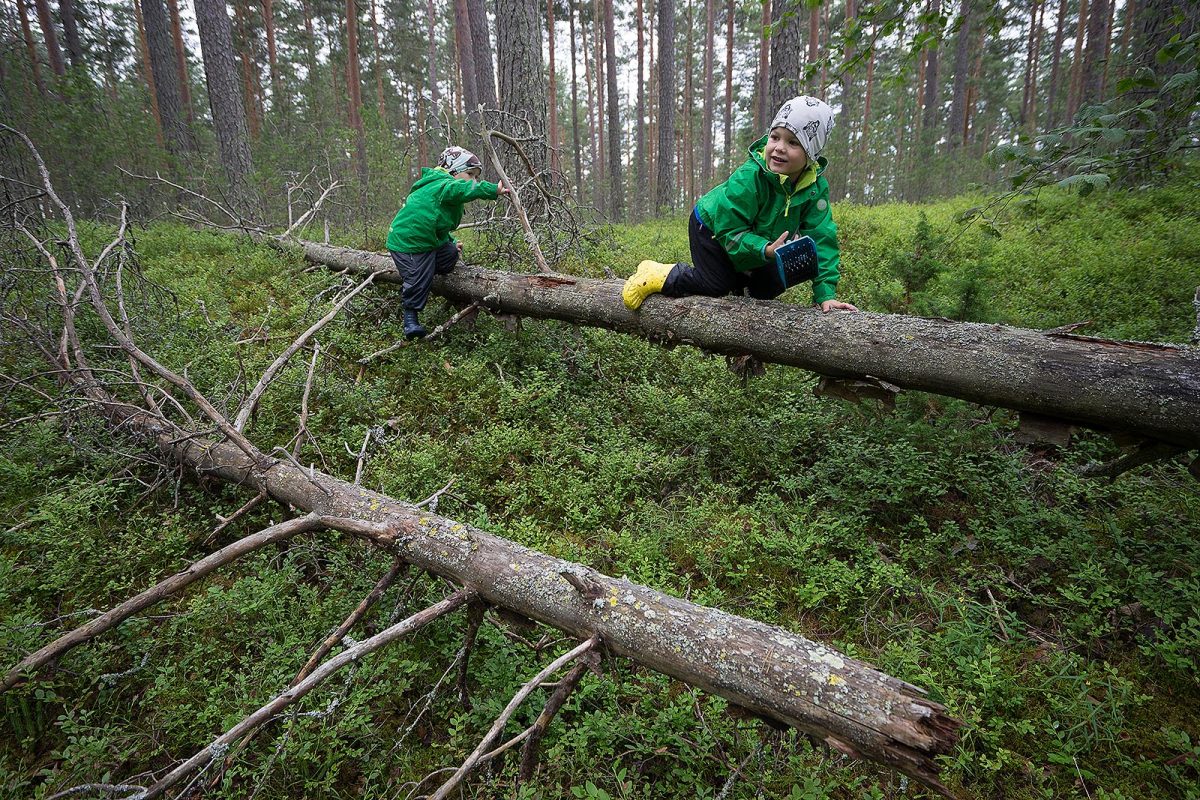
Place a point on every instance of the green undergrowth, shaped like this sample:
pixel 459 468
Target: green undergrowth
pixel 1055 616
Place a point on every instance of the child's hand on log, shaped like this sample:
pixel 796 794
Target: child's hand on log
pixel 836 305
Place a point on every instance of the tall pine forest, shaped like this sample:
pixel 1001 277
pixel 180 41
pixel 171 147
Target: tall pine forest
pixel 255 543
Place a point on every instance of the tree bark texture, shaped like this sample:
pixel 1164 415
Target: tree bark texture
pixel 185 89
pixel 31 48
pixel 770 671
pixel 466 55
pixel 166 77
pixel 664 193
pixel 522 77
pixel 66 9
pixel 225 96
pixel 616 204
pixel 1055 62
pixel 1149 389
pixel 50 37
pixel 932 104
pixel 1092 82
pixel 786 43
pixel 962 65
pixel 481 53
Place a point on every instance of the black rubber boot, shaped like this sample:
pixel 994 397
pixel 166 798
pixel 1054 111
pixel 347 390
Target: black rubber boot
pixel 413 329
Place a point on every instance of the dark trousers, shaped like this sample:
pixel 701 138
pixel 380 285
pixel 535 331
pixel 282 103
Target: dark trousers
pixel 713 274
pixel 417 271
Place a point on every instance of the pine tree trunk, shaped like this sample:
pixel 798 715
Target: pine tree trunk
pixel 615 171
pixel 31 48
pixel 522 77
pixel 687 149
pixel 354 84
pixel 593 129
pixel 962 64
pixel 166 77
pixel 786 44
pixel 185 88
pixel 638 205
pixel 866 166
pixel 1031 118
pixel 148 73
pixel 1027 82
pixel 1052 99
pixel 730 11
pixel 481 45
pixel 431 36
pixel 466 56
pixel 1092 81
pixel 66 9
pixel 1077 63
pixel 763 95
pixel 377 66
pixel 268 13
pixel 225 97
pixel 816 86
pixel 1108 29
pixel 664 193
pixel 598 70
pixel 552 88
pixel 706 130
pixel 49 37
pixel 931 103
pixel 310 42
pixel 577 152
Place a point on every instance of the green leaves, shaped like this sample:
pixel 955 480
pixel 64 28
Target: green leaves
pixel 1086 183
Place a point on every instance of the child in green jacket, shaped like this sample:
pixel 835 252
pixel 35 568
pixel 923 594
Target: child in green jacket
pixel 734 230
pixel 420 240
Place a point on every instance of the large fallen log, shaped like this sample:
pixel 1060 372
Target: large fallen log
pixel 772 672
pixel 1152 390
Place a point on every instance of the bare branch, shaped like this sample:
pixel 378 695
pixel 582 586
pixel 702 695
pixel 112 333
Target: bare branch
pixel 251 401
pixel 154 594
pixel 538 729
pixel 478 755
pixel 530 236
pixel 294 693
pixel 469 310
pixel 398 568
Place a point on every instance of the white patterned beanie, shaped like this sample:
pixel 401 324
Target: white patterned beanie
pixel 456 159
pixel 810 119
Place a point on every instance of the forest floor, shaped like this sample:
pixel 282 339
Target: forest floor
pixel 1058 617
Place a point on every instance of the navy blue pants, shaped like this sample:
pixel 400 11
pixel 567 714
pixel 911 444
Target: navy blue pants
pixel 417 271
pixel 712 272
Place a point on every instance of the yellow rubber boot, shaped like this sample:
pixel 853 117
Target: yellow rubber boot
pixel 648 280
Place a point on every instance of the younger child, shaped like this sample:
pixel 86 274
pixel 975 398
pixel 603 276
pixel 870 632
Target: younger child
pixel 420 240
pixel 734 230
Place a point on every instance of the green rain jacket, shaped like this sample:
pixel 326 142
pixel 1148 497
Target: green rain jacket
pixel 751 209
pixel 433 209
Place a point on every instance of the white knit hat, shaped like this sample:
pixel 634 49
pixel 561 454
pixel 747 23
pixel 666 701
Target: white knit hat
pixel 810 119
pixel 457 159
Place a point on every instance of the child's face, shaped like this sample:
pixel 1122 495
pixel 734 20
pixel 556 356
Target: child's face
pixel 784 154
pixel 467 175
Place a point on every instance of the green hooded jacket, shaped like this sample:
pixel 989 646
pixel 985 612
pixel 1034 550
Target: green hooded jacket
pixel 751 209
pixel 433 209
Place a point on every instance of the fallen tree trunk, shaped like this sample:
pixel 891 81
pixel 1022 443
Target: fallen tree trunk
pixel 1152 390
pixel 770 671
